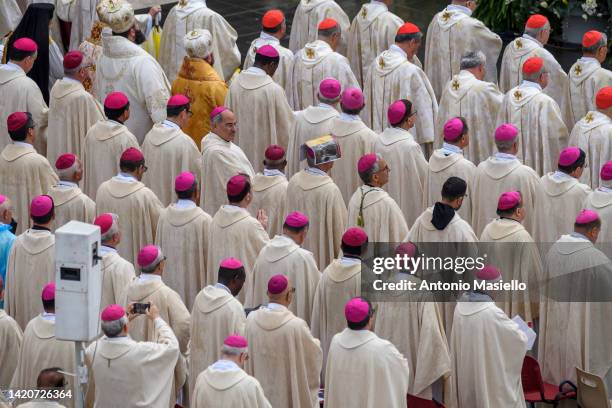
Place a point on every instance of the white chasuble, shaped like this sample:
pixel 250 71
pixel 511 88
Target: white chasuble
pixel 451 33
pixel 187 16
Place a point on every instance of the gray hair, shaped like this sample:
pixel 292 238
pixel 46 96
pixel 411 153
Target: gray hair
pixel 233 351
pixel 329 32
pixel 473 59
pixel 505 145
pixel 114 327
pixel 5 205
pixel 217 119
pixel 533 32
pixel 114 229
pixel 603 42
pixel 366 176
pixel 66 174
pixel 535 77
pixel 73 71
pixel 153 265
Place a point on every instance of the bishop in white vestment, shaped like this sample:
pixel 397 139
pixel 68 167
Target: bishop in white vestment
pixel 587 76
pixel 124 66
pixel 451 33
pixel 313 122
pixel 371 207
pixel 391 77
pixel 273 29
pixel 70 202
pixel 186 16
pixel 372 31
pixel 285 357
pixel 24 173
pixel 531 44
pixel 169 151
pixel 592 134
pixel 225 383
pixel 467 95
pixel 234 232
pixel 360 364
pixel 316 61
pixel 450 161
pixel 405 158
pixel 22 94
pixel 221 159
pixel 256 99
pixel 136 205
pixel 11 337
pixel 117 272
pixel 355 140
pixel 537 117
pixel 482 331
pixel 306 19
pixel 72 110
pixel 313 192
pixel 284 254
pixel 270 190
pixel 216 314
pixel 104 143
pixel 183 234
pixel 504 172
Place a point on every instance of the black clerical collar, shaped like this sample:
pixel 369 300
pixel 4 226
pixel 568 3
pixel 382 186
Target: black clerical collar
pixel 40 228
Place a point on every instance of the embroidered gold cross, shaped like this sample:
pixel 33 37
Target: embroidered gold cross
pixel 455 85
pixel 446 16
pixel 381 62
pixel 589 117
pixel 112 6
pixel 578 70
pixel 518 95
pixel 182 3
pixel 519 43
pixel 310 53
pixel 364 12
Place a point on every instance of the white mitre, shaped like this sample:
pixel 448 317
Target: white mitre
pixel 198 43
pixel 117 14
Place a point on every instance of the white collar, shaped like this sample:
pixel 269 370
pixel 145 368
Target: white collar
pixel 114 121
pixel 219 285
pixel 50 317
pixel 379 3
pixel 325 105
pixel 275 306
pixel 346 261
pixel 225 365
pixel 396 48
pixel 461 9
pixel 315 172
pixel 256 71
pixel 13 67
pixel 450 149
pixel 588 59
pixel 233 208
pixel 118 339
pixel 182 203
pixel 71 80
pixel 273 172
pixel 605 189
pixel 65 183
pixel 579 236
pixel 170 124
pixel 527 36
pixel 529 84
pixel 22 144
pixel 107 250
pixel 349 118
pixel 505 156
pixel 126 177
pixel 265 36
pixel 147 277
pixel 561 176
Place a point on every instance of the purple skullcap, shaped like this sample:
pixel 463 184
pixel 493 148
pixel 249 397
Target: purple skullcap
pixel 352 98
pixel 366 162
pixel 356 310
pixel 48 292
pixel 236 341
pixel 277 284
pixel 354 237
pixel 508 200
pixel 605 174
pixel 296 220
pixel 506 132
pixel 112 313
pixel 231 263
pixel 330 88
pixel 568 156
pixel 41 206
pixel 453 129
pixel 396 112
pixel 184 181
pixel 586 217
pixel 488 273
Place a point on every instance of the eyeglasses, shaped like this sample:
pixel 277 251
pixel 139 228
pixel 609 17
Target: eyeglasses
pixel 414 112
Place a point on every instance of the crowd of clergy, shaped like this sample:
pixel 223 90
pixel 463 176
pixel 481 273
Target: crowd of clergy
pixel 239 204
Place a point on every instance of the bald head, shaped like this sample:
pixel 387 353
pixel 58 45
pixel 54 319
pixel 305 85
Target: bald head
pixel 50 378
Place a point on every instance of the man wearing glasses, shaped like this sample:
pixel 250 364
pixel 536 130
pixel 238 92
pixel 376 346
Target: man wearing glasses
pixel 169 150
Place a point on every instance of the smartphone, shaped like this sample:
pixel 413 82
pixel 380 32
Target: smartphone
pixel 141 308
